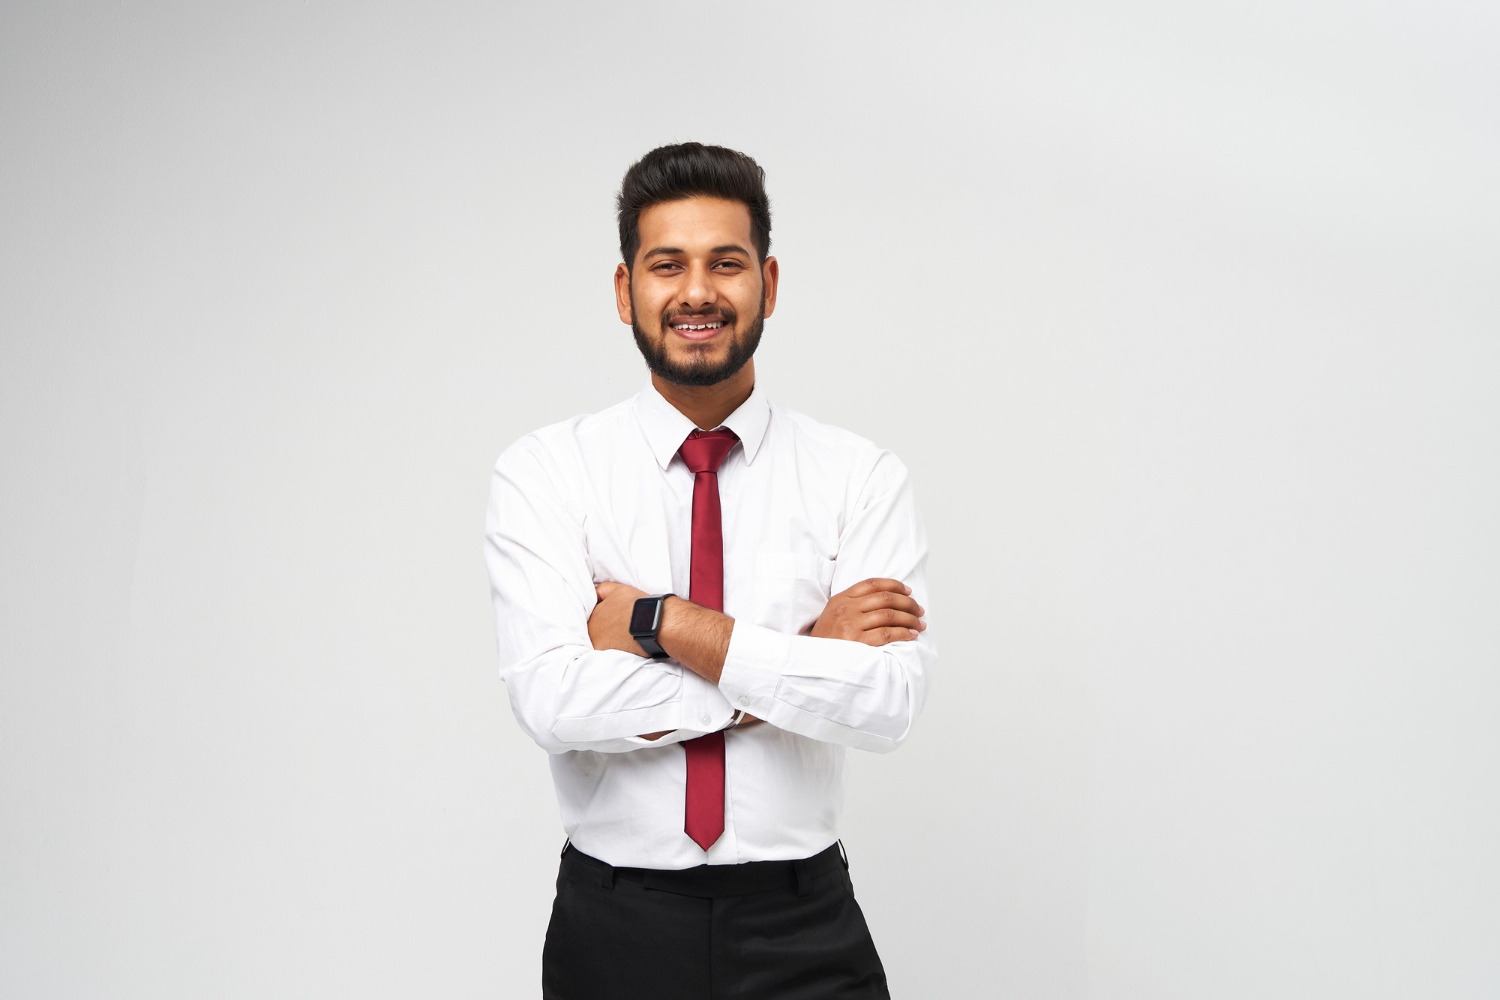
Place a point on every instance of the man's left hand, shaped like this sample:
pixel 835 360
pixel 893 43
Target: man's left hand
pixel 609 623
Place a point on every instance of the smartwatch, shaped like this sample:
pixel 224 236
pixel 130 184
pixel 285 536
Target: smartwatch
pixel 645 619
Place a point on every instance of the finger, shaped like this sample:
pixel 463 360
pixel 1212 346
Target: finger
pixel 886 599
pixel 877 583
pixel 890 618
pixel 603 589
pixel 881 636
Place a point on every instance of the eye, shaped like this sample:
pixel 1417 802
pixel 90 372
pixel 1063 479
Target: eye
pixel 729 265
pixel 666 266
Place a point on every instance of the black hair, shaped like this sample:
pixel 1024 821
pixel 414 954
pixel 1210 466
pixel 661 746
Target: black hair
pixel 668 173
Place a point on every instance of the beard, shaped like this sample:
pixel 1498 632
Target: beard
pixel 700 370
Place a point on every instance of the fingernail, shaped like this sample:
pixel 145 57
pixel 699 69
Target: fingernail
pixel 921 610
pixel 908 589
pixel 914 632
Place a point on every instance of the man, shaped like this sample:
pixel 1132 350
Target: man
pixel 703 599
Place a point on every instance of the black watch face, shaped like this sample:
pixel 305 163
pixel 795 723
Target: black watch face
pixel 643 617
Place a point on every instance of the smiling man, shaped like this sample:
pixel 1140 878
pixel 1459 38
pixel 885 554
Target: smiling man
pixel 703 599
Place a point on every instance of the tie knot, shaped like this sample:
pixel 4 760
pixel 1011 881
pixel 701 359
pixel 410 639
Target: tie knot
pixel 704 451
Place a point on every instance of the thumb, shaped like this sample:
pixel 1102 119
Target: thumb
pixel 604 589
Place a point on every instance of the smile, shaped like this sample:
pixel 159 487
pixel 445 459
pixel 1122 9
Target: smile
pixel 699 331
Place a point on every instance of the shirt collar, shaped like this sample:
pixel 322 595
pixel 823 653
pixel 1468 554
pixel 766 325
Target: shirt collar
pixel 666 427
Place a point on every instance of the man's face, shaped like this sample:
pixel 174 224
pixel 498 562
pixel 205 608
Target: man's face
pixel 696 296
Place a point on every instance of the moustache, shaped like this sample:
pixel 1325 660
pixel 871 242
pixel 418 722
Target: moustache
pixel 722 315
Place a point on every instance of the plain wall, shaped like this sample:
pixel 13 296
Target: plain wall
pixel 1183 316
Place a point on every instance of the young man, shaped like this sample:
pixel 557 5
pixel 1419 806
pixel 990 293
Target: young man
pixel 703 598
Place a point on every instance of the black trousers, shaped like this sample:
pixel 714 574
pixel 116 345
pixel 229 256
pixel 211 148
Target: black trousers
pixel 765 930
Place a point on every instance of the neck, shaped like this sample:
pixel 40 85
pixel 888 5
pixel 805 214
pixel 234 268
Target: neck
pixel 707 405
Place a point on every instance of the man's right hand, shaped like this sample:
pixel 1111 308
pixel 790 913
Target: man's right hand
pixel 874 611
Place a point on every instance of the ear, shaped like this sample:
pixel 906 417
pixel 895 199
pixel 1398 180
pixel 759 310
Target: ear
pixel 622 294
pixel 770 273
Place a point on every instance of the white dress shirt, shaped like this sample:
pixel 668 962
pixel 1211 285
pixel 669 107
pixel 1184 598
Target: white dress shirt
pixel 808 511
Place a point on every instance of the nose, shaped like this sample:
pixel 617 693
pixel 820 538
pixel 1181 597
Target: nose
pixel 698 290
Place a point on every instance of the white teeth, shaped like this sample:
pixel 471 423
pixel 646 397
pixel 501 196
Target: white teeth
pixel 703 326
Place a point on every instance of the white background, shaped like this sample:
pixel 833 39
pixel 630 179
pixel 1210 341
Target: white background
pixel 1183 316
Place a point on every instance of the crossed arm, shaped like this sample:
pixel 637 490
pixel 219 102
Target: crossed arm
pixel 874 611
pixel 577 681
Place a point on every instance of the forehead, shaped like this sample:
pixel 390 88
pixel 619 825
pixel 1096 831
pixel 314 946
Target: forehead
pixel 696 223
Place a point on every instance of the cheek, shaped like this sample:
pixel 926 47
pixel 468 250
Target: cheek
pixel 649 304
pixel 746 297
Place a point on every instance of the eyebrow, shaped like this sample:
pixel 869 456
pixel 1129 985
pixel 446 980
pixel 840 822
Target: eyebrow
pixel 678 252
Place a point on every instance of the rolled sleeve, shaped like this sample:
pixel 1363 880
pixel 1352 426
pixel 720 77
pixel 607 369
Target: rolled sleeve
pixel 565 694
pixel 837 690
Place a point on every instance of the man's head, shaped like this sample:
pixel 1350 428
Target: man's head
pixel 697 282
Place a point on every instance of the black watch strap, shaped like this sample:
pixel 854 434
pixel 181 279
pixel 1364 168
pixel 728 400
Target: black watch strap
pixel 645 621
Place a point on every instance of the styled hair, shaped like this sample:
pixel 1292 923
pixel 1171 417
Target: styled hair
pixel 668 173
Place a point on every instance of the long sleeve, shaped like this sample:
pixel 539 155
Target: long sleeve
pixel 835 690
pixel 566 694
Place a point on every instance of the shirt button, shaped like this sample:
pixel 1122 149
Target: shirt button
pixel 703 718
pixel 744 699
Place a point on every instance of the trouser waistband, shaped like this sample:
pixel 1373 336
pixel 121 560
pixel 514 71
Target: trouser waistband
pixel 714 881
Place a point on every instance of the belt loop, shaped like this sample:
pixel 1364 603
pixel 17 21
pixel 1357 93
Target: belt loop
pixel 843 856
pixel 564 852
pixel 804 874
pixel 606 876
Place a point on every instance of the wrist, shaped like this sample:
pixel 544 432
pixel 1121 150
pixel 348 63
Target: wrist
pixel 672 611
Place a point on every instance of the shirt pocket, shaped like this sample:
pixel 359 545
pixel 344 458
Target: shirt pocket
pixel 791 589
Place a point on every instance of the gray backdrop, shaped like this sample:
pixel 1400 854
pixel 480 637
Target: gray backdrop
pixel 1183 316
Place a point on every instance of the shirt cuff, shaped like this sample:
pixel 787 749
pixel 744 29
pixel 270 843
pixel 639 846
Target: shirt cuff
pixel 752 667
pixel 704 709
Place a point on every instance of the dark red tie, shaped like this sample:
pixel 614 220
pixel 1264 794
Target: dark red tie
pixel 704 451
